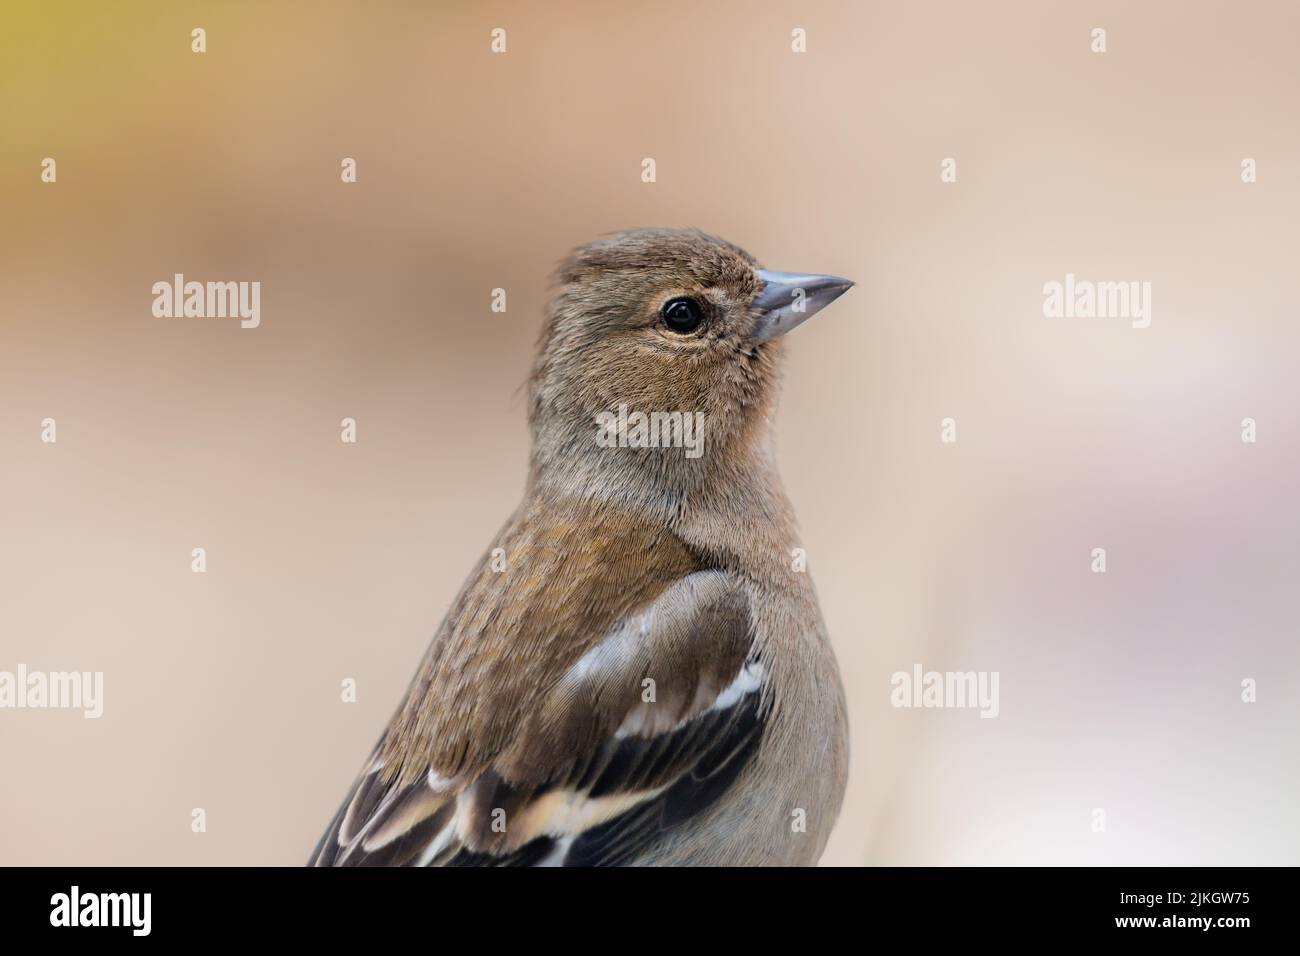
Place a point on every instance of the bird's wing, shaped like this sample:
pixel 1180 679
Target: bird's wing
pixel 647 729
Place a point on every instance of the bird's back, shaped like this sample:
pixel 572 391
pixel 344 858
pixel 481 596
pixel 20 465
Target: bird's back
pixel 596 697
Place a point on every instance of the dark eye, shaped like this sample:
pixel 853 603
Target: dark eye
pixel 682 316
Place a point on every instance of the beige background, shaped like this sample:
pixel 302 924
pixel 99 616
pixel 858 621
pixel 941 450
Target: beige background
pixel 327 561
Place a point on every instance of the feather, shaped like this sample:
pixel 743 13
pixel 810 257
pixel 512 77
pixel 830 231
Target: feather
pixel 606 764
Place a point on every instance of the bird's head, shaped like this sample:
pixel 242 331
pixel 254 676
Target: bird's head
pixel 668 324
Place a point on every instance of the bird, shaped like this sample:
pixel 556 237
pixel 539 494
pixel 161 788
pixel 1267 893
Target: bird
pixel 637 671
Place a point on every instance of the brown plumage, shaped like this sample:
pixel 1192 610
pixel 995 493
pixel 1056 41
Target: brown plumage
pixel 648 678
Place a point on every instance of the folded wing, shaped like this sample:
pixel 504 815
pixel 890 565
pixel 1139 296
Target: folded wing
pixel 640 736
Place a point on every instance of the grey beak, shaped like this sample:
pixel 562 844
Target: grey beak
pixel 789 298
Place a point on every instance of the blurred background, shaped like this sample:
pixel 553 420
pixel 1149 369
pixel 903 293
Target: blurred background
pixel 1118 691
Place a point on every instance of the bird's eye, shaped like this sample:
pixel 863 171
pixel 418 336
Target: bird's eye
pixel 683 315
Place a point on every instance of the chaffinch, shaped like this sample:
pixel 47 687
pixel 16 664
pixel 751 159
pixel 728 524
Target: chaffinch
pixel 637 671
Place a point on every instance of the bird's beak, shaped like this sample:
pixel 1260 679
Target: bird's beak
pixel 789 298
